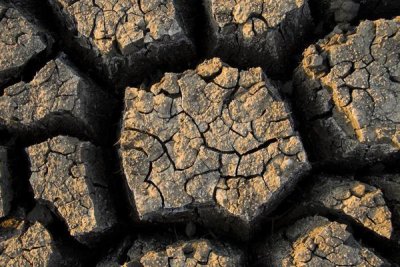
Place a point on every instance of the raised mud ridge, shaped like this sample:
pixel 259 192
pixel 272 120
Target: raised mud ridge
pixel 199 133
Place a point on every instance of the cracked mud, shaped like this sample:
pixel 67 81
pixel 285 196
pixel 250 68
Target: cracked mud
pixel 121 33
pixel 69 174
pixel 26 244
pixel 213 137
pixel 347 86
pixel 56 93
pixel 390 186
pixel 199 133
pixel 21 41
pixel 316 241
pixel 252 33
pixel 362 202
pixel 151 251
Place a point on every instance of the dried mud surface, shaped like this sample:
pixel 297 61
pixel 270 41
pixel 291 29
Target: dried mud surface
pixel 199 133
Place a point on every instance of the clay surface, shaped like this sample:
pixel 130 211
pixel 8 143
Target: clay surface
pixel 211 138
pixel 57 99
pixel 253 33
pixel 199 133
pixel 390 186
pixel 347 88
pixel 69 174
pixel 362 202
pixel 127 37
pixel 21 42
pixel 157 251
pixel 24 244
pixel 316 241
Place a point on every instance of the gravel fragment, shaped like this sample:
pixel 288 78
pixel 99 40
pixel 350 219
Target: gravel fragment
pixel 216 140
pixel 316 241
pixel 69 174
pixel 257 33
pixel 21 42
pixel 59 98
pixel 347 88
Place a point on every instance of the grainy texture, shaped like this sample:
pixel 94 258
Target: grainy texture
pixel 361 202
pixel 390 186
pixel 59 98
pixel 69 174
pixel 253 33
pixel 146 133
pixel 6 190
pixel 156 251
pixel 21 41
pixel 316 241
pixel 210 138
pixel 25 244
pixel 347 87
pixel 129 37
